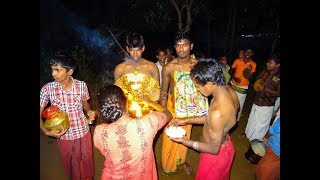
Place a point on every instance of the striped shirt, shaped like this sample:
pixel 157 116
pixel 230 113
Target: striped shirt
pixel 69 101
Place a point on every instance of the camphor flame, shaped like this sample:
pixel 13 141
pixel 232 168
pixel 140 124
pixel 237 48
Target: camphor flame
pixel 135 85
pixel 134 107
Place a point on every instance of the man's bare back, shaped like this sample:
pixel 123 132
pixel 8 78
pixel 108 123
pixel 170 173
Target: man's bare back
pixel 222 110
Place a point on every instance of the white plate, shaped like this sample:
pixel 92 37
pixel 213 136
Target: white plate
pixel 175 132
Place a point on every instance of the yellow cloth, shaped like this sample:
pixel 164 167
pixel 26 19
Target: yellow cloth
pixel 173 153
pixel 136 83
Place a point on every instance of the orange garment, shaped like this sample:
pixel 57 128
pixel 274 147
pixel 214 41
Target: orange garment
pixel 128 147
pixel 239 65
pixel 173 153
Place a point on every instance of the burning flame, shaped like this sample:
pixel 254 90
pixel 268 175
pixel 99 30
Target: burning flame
pixel 134 107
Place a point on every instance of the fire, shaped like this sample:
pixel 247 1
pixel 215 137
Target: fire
pixel 134 84
pixel 135 109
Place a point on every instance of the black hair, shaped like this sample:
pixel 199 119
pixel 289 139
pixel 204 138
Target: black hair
pixel 207 70
pixel 112 102
pixel 161 49
pixel 276 57
pixel 182 34
pixel 63 61
pixel 134 40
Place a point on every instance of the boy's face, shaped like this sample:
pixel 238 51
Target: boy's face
pixel 60 73
pixel 161 57
pixel 223 60
pixel 183 48
pixel 272 65
pixel 135 53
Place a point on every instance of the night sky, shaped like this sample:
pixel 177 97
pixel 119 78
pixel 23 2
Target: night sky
pixel 84 23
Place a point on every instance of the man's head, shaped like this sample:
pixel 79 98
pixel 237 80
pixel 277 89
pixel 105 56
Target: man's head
pixel 161 56
pixel 223 60
pixel 62 67
pixel 183 44
pixel 273 62
pixel 248 53
pixel 241 54
pixel 135 45
pixel 205 74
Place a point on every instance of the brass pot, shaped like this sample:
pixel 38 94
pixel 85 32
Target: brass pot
pixel 59 123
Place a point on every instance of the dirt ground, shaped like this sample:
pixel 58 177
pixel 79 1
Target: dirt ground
pixel 51 166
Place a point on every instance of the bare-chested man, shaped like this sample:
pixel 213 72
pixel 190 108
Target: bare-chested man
pixel 215 147
pixel 135 47
pixel 176 78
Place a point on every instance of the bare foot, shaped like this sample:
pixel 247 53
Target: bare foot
pixel 242 136
pixel 164 173
pixel 187 168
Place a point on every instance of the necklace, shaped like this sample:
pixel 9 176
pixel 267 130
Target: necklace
pixel 136 71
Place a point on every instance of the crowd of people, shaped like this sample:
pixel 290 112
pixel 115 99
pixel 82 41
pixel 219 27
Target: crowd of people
pixel 185 83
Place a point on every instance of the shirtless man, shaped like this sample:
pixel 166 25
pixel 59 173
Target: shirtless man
pixel 215 147
pixel 135 47
pixel 174 154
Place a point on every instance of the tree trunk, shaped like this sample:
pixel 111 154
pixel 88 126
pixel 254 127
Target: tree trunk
pixel 276 38
pixel 227 37
pixel 179 12
pixel 209 39
pixel 189 19
pixel 234 22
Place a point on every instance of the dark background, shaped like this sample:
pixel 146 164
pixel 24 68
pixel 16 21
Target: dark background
pixel 219 27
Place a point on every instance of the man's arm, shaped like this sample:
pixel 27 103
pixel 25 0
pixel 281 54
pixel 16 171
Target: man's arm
pixel 192 120
pixel 162 109
pixel 87 108
pixel 117 73
pixel 155 72
pixel 165 85
pixel 216 129
pixel 247 73
pixel 231 72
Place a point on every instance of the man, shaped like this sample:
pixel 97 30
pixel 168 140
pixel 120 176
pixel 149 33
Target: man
pixel 216 148
pixel 170 57
pixel 137 75
pixel 241 72
pixel 178 93
pixel 161 56
pixel 267 93
pixel 136 64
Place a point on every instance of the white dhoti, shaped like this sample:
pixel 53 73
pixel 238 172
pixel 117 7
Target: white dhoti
pixel 276 104
pixel 259 121
pixel 241 97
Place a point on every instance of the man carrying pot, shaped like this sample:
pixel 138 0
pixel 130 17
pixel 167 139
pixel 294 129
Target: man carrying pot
pixel 269 166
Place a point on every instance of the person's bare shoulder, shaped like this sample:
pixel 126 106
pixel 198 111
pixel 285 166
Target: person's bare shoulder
pixel 169 67
pixel 150 63
pixel 118 70
pixel 121 65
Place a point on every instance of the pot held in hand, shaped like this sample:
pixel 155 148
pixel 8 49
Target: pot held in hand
pixel 55 119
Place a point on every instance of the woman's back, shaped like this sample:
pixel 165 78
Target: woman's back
pixel 128 147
